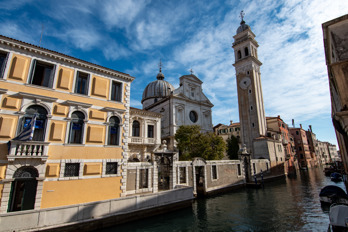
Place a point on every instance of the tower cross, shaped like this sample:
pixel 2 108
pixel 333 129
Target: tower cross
pixel 160 65
pixel 241 16
pixel 191 71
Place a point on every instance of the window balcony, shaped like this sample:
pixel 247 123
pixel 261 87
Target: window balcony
pixel 140 140
pixel 28 149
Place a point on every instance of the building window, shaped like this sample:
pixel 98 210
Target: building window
pixel 116 91
pixel 254 166
pixel 40 121
pixel 81 85
pixel 246 51
pixel 76 127
pixel 239 55
pixel 266 166
pixel 136 129
pixel 214 172
pixel 111 168
pixel 296 132
pixel 143 178
pixel 253 124
pixel 114 131
pixel 3 61
pixel 150 131
pixel 42 74
pixel 193 116
pixel 72 169
pixel 239 170
pixel 182 175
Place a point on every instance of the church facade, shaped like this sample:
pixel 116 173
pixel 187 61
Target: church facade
pixel 186 105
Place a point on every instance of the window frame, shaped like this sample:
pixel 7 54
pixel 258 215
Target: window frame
pixel 4 63
pixel 214 172
pixel 116 168
pixel 153 131
pixel 118 129
pixel 76 164
pixel 77 78
pixel 135 133
pixel 82 128
pixel 44 64
pixel 117 98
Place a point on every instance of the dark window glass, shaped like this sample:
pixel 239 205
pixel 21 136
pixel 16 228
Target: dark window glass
pixel 150 130
pixel 3 60
pixel 72 169
pixel 114 131
pixel 239 55
pixel 239 170
pixel 40 122
pixel 111 168
pixel 143 178
pixel 193 116
pixel 136 129
pixel 81 83
pixel 246 50
pixel 76 127
pixel 42 74
pixel 182 175
pixel 116 91
pixel 214 172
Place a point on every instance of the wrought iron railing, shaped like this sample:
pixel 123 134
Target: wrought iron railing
pixel 28 149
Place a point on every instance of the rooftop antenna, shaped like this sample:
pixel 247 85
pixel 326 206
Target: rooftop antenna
pixel 42 29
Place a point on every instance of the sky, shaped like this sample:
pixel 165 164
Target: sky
pixel 132 36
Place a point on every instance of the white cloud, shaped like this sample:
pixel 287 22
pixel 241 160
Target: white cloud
pixel 121 13
pixel 113 51
pixel 82 38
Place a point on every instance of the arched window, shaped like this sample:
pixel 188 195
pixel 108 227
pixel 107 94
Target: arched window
pixel 114 131
pixel 40 122
pixel 76 127
pixel 246 51
pixel 136 129
pixel 239 55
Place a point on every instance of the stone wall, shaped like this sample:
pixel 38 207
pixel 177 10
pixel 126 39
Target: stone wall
pixel 73 216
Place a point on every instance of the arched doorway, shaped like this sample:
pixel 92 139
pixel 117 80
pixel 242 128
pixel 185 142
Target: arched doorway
pixel 23 189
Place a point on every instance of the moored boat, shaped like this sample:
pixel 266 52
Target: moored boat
pixel 336 177
pixel 338 218
pixel 333 194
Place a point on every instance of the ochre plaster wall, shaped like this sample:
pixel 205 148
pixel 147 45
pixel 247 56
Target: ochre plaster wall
pixel 69 192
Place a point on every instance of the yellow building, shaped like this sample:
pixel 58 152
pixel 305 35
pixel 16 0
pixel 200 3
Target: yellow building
pixel 79 148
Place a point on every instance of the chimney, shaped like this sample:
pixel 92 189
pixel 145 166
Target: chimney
pixel 231 122
pixel 293 122
pixel 310 128
pixel 301 126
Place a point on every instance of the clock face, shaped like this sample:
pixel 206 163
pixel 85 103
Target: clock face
pixel 245 82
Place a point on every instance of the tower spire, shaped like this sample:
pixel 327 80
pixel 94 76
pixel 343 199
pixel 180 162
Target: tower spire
pixel 160 66
pixel 160 75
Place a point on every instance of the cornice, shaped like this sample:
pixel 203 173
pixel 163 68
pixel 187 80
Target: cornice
pixel 13 43
pixel 35 96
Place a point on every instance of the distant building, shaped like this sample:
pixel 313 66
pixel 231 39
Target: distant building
pixel 276 124
pixel 303 153
pixel 186 105
pixel 335 34
pixel 226 131
pixel 313 146
pixel 78 112
pixel 324 154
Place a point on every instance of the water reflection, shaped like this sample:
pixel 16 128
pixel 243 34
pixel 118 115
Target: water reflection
pixel 284 205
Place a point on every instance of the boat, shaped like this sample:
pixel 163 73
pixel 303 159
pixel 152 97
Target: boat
pixel 336 177
pixel 338 218
pixel 333 194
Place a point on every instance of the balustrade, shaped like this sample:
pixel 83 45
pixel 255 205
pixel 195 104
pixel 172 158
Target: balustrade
pixel 28 149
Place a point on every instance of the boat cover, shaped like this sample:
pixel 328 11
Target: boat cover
pixel 333 190
pixel 338 215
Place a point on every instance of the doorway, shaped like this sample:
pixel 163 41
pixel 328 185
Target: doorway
pixel 23 189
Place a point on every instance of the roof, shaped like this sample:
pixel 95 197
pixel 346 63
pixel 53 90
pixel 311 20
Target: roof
pixel 61 56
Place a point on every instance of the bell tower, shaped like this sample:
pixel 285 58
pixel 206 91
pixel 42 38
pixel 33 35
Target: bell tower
pixel 248 77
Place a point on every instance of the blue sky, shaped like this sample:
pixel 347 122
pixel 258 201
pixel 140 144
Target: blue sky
pixel 131 36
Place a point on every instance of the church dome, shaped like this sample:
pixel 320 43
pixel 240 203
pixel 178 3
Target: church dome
pixel 243 26
pixel 158 88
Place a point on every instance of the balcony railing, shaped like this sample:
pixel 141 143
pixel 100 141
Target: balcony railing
pixel 140 140
pixel 28 149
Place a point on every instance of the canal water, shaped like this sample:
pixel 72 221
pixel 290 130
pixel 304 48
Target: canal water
pixel 290 204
